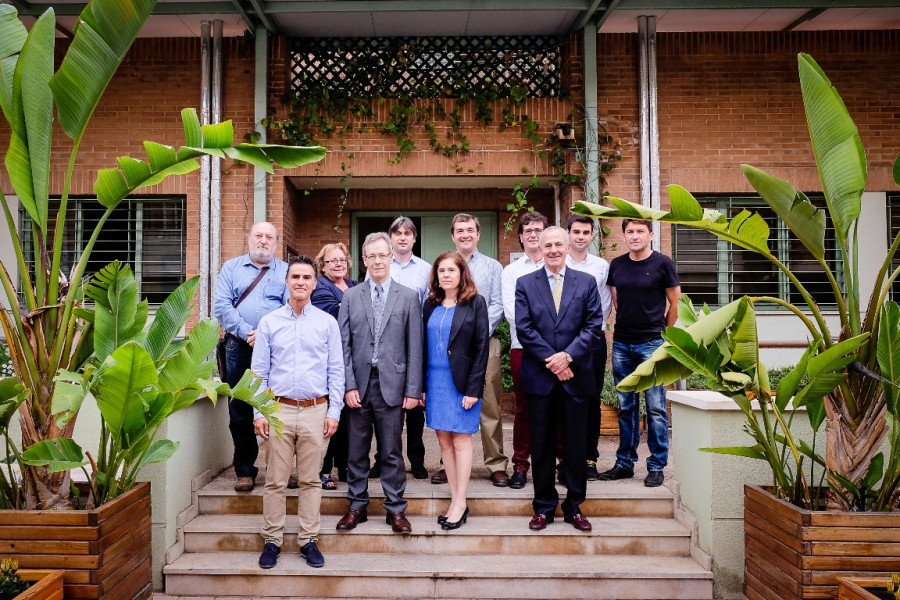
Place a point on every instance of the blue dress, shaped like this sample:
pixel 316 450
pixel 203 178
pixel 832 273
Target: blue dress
pixel 443 402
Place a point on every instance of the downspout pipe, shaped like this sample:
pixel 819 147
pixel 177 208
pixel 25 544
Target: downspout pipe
pixel 648 118
pixel 203 268
pixel 215 185
pixel 591 120
pixel 260 177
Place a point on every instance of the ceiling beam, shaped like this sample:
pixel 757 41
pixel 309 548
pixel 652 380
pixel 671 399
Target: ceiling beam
pixel 586 16
pixel 264 17
pixel 606 14
pixel 809 16
pixel 248 20
pixel 760 4
pixel 366 6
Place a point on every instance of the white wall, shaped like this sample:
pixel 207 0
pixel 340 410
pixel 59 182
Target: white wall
pixel 7 252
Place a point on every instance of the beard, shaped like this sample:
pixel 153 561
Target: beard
pixel 261 255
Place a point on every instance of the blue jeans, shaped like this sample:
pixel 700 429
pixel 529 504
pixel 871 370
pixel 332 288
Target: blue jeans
pixel 625 359
pixel 237 360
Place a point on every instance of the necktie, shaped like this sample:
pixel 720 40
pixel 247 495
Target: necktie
pixel 378 310
pixel 557 291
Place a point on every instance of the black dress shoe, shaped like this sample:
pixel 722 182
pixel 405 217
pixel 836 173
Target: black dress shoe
pixel 615 473
pixel 518 479
pixel 579 522
pixel 312 554
pixel 654 479
pixel 419 472
pixel 448 525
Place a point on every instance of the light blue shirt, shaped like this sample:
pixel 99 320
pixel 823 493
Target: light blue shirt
pixel 236 276
pixel 301 356
pixel 414 275
pixel 385 286
pixel 487 273
pixel 552 279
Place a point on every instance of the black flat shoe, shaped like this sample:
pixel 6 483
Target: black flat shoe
pixel 448 525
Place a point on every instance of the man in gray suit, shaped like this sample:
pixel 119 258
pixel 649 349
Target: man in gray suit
pixel 381 329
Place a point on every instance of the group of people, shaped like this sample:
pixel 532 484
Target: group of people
pixel 417 343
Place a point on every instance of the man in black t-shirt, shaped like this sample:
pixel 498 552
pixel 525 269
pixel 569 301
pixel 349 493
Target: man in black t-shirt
pixel 645 291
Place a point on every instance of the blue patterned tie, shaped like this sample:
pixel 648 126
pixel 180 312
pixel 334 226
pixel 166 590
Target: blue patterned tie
pixel 378 309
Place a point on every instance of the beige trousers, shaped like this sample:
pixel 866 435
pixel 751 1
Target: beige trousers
pixel 491 421
pixel 303 435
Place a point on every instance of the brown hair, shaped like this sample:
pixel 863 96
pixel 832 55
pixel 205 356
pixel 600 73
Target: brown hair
pixel 647 222
pixel 320 257
pixel 464 218
pixel 467 288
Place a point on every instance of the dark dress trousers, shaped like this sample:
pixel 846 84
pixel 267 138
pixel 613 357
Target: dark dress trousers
pixel 543 333
pixel 467 349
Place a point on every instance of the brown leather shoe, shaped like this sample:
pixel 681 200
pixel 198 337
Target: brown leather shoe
pixel 579 522
pixel 499 479
pixel 439 477
pixel 244 484
pixel 539 521
pixel 352 519
pixel 398 522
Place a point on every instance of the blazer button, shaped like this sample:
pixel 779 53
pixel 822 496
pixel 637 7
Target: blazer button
pixel 448 353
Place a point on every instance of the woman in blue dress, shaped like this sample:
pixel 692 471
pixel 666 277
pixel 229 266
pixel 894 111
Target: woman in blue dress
pixel 334 263
pixel 456 353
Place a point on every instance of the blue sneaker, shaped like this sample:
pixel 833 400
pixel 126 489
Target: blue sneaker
pixel 269 556
pixel 313 556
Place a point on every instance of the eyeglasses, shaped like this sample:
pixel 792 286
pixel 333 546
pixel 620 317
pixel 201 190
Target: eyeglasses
pixel 336 261
pixel 532 231
pixel 378 256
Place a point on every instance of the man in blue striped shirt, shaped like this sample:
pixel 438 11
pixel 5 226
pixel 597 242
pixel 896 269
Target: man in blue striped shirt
pixel 299 356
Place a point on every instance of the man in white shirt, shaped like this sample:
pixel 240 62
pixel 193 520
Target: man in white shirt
pixel 581 234
pixel 531 225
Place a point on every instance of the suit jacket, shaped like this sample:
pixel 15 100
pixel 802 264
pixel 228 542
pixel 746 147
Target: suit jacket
pixel 467 349
pixel 543 333
pixel 328 296
pixel 400 345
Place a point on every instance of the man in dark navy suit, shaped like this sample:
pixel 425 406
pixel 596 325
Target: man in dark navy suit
pixel 558 319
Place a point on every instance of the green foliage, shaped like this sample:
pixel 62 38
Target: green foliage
pixel 853 375
pixel 77 339
pixel 139 376
pixel 505 345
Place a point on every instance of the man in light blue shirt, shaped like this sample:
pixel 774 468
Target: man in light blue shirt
pixel 239 313
pixel 298 354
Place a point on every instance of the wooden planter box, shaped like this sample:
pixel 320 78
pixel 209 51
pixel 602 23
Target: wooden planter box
pixel 49 585
pixel 791 553
pixel 609 420
pixel 104 552
pixel 855 588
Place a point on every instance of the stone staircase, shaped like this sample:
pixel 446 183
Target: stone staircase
pixel 640 548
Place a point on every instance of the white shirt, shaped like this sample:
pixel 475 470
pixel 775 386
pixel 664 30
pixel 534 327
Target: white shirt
pixel 599 268
pixel 522 266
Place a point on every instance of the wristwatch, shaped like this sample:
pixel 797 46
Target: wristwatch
pixel 569 357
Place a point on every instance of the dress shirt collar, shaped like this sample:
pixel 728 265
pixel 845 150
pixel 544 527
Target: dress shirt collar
pixel 413 259
pixel 527 261
pixel 289 310
pixel 385 285
pixel 562 273
pixel 249 261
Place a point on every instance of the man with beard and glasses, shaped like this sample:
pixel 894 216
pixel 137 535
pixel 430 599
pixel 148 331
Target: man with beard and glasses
pixel 249 287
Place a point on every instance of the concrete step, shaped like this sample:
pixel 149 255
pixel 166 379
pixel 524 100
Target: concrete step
pixel 480 535
pixel 415 575
pixel 628 498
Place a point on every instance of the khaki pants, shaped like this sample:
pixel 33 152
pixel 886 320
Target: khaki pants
pixel 491 422
pixel 302 435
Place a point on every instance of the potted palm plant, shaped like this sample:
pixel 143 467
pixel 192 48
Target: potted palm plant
pixel 853 385
pixel 73 340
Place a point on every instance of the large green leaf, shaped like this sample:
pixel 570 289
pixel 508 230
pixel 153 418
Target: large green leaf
pixel 112 185
pixel 69 392
pixel 105 31
pixel 31 120
pixel 158 451
pixel 888 353
pixel 745 451
pixel 799 214
pixel 118 391
pixel 190 364
pixel 12 37
pixel 836 145
pixel 12 394
pixel 118 316
pixel 171 316
pixel 59 454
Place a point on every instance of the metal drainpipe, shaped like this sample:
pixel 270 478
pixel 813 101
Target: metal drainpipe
pixel 215 186
pixel 203 269
pixel 649 123
pixel 260 177
pixel 591 120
